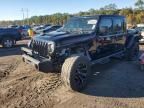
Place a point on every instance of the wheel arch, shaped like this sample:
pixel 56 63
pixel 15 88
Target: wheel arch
pixel 131 39
pixel 84 50
pixel 4 37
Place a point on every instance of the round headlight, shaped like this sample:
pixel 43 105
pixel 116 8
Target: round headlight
pixel 51 47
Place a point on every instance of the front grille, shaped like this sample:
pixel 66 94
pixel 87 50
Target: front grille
pixel 40 47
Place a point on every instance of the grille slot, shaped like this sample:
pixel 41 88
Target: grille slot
pixel 40 47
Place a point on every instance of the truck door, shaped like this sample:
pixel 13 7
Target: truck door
pixel 119 30
pixel 104 41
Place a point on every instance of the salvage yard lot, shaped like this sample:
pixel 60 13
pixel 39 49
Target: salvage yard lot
pixel 116 84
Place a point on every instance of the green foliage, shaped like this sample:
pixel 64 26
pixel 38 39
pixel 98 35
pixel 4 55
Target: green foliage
pixel 140 4
pixel 133 16
pixel 110 7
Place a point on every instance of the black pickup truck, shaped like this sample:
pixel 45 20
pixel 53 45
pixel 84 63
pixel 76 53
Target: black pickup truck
pixel 9 36
pixel 82 42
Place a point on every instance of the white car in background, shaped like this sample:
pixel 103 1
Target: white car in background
pixel 142 32
pixel 142 35
pixel 140 28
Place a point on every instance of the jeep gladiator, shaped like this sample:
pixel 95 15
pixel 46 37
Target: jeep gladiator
pixel 82 42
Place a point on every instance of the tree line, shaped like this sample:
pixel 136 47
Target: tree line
pixel 134 16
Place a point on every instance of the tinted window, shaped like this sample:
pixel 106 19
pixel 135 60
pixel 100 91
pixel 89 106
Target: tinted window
pixel 118 25
pixel 105 27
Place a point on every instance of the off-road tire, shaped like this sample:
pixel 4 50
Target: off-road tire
pixel 8 39
pixel 69 72
pixel 133 52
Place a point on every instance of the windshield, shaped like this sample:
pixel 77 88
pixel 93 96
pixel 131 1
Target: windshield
pixel 80 25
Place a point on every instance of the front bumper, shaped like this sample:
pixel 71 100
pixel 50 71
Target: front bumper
pixel 40 63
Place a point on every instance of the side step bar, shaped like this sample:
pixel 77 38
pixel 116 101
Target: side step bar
pixel 102 59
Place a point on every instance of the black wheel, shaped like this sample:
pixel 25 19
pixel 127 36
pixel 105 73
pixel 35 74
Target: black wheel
pixel 76 72
pixel 133 52
pixel 8 42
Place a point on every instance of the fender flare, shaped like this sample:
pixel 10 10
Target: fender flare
pixel 130 40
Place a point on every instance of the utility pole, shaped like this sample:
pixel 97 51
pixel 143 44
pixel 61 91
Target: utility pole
pixel 23 15
pixel 133 16
pixel 27 16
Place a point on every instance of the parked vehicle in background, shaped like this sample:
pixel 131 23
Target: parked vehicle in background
pixel 9 36
pixel 142 33
pixel 140 25
pixel 46 29
pixel 139 28
pixel 24 30
pixel 12 26
pixel 51 28
pixel 46 25
pixel 38 29
pixel 82 42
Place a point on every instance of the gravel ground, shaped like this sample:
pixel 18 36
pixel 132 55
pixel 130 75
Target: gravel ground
pixel 118 84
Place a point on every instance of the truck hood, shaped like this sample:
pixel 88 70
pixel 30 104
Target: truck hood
pixel 50 36
pixel 59 36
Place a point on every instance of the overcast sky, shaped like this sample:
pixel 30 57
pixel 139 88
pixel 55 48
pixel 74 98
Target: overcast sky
pixel 11 9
